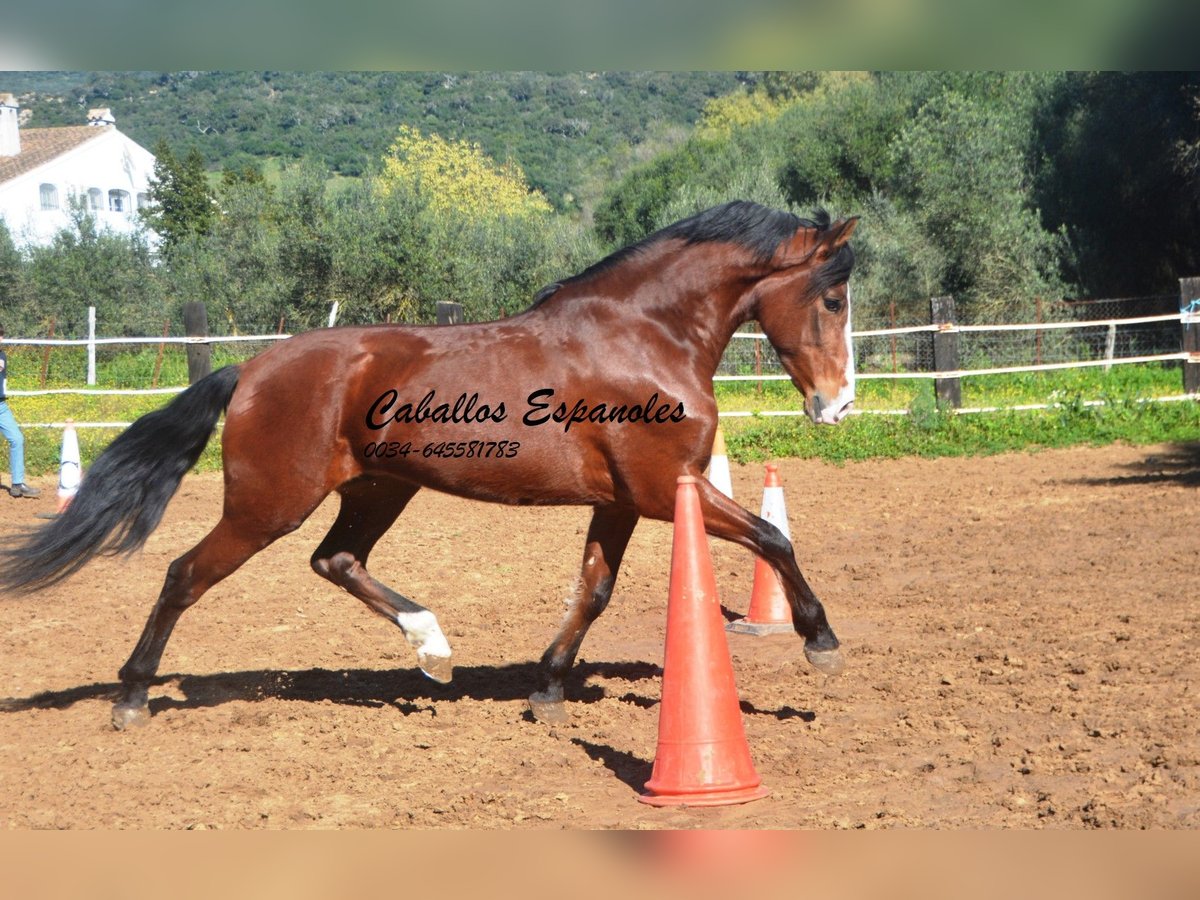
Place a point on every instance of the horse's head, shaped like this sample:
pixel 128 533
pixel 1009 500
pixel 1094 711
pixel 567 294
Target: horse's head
pixel 803 305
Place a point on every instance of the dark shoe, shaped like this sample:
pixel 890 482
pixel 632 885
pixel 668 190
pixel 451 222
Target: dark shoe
pixel 23 490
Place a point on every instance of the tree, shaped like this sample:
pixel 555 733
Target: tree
pixel 453 225
pixel 86 266
pixel 1114 173
pixel 633 208
pixel 783 86
pixel 962 167
pixel 458 177
pixel 306 250
pixel 180 203
pixel 731 112
pixel 10 270
pixel 237 267
pixel 939 164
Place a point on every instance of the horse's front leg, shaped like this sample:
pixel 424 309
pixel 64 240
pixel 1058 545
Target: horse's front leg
pixel 725 519
pixel 607 537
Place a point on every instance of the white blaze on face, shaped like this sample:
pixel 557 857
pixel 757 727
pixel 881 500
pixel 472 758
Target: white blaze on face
pixel 835 409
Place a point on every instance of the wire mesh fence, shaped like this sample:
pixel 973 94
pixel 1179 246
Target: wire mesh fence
pixel 899 342
pixel 748 354
pixel 889 343
pixel 63 361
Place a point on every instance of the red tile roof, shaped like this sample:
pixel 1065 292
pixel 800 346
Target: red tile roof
pixel 40 145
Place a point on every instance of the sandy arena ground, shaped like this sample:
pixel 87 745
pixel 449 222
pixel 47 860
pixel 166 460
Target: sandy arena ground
pixel 1021 633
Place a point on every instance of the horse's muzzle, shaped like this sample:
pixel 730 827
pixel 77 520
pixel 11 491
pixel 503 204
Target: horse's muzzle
pixel 823 414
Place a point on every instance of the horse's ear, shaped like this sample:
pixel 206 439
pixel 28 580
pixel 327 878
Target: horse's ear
pixel 835 238
pixel 839 233
pixel 798 249
pixel 809 242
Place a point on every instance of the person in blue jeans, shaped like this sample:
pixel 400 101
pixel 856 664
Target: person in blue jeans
pixel 12 433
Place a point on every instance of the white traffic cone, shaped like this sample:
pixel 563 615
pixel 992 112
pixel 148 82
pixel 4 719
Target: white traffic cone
pixel 769 611
pixel 718 466
pixel 70 473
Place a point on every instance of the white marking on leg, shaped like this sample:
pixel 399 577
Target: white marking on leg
pixel 422 631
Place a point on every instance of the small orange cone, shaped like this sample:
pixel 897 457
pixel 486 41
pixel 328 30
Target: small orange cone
pixel 718 466
pixel 769 611
pixel 70 472
pixel 702 758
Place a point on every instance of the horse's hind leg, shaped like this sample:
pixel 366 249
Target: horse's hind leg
pixel 608 535
pixel 221 552
pixel 368 510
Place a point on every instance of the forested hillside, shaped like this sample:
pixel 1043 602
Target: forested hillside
pixel 1001 189
pixel 998 188
pixel 558 127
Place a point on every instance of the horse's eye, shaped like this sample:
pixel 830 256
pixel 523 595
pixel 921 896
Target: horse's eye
pixel 833 304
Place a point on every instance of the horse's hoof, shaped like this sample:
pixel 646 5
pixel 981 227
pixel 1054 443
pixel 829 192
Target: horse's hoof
pixel 439 668
pixel 548 710
pixel 831 662
pixel 124 716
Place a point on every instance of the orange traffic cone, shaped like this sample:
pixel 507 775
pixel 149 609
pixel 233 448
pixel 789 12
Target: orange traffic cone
pixel 702 758
pixel 769 610
pixel 70 473
pixel 718 466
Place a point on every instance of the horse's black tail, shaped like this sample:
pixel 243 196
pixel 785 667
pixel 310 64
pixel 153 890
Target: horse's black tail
pixel 126 490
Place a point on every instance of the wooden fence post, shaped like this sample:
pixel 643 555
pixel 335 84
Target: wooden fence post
pixel 199 356
pixel 1189 303
pixel 449 313
pixel 945 352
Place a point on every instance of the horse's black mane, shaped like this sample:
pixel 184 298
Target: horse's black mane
pixel 751 225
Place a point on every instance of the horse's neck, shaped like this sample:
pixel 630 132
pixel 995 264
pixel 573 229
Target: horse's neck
pixel 705 303
pixel 694 296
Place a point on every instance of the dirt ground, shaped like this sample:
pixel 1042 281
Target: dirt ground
pixel 1021 633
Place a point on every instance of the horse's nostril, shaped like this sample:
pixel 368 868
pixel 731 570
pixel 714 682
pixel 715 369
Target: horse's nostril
pixel 818 406
pixel 833 418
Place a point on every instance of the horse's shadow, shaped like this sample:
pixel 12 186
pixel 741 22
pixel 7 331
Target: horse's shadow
pixel 401 688
pixel 1180 464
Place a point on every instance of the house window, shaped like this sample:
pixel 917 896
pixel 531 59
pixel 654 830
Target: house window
pixel 118 201
pixel 49 196
pixel 95 199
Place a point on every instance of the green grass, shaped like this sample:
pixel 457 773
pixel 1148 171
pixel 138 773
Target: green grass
pixel 927 431
pixel 67 366
pixel 272 171
pixel 1148 380
pixel 923 432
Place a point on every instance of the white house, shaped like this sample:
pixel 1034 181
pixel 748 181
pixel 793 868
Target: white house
pixel 42 170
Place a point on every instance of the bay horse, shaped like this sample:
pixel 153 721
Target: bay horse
pixel 599 394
